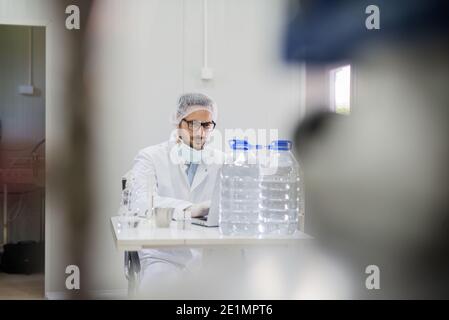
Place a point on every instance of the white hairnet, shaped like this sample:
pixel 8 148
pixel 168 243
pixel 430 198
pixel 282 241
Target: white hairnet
pixel 191 102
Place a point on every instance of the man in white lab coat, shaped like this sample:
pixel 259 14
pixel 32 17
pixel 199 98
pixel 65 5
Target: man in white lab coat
pixel 184 170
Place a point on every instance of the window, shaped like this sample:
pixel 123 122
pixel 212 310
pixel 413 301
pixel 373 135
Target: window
pixel 340 89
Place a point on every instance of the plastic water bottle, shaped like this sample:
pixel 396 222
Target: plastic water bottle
pixel 129 209
pixel 239 191
pixel 131 203
pixel 279 197
pixel 126 202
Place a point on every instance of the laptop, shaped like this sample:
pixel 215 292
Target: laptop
pixel 211 219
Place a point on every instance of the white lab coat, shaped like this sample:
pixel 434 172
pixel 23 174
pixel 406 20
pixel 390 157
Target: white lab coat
pixel 173 191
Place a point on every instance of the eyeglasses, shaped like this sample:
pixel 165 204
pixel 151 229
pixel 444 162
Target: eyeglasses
pixel 195 124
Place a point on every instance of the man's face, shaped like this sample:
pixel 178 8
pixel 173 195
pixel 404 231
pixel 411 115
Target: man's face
pixel 192 133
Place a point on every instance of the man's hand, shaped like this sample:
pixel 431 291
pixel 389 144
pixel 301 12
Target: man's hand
pixel 199 209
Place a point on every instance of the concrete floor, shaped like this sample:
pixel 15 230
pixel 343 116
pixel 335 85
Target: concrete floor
pixel 19 286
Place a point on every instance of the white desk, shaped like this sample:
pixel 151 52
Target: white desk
pixel 147 236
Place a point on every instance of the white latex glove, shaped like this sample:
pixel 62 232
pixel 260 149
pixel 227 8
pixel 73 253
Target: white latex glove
pixel 198 210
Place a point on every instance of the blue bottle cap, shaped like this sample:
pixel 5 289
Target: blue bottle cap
pixel 237 144
pixel 283 145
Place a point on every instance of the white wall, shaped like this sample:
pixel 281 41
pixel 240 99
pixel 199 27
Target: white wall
pixel 22 117
pixel 144 54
